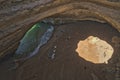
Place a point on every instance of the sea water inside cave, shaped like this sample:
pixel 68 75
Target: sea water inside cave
pixel 34 38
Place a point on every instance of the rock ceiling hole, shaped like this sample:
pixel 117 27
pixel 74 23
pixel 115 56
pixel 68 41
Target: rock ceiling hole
pixel 94 54
pixel 95 50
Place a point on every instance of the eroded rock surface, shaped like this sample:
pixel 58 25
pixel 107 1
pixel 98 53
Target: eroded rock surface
pixel 17 16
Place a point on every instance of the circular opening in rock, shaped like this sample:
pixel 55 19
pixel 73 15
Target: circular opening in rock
pixel 95 50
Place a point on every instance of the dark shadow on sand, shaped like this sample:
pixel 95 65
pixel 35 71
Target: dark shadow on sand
pixel 68 65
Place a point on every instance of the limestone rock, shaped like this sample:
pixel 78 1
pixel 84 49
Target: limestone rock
pixel 17 16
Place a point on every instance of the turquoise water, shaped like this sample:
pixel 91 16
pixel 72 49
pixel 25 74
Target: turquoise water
pixel 30 44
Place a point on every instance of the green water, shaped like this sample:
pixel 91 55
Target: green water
pixel 31 40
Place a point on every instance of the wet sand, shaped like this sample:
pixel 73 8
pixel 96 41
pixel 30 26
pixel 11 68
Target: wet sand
pixel 67 64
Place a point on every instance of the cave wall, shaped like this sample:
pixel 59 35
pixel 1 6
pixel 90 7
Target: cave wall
pixel 17 16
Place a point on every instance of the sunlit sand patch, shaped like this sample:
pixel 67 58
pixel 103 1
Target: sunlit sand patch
pixel 95 50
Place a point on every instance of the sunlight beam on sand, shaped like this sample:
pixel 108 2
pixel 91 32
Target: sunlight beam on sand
pixel 95 50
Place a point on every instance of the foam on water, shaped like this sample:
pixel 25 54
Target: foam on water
pixel 44 39
pixel 31 43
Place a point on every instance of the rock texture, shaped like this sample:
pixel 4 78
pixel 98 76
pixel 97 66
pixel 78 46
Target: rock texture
pixel 17 16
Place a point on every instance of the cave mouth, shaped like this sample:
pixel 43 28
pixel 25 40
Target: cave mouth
pixel 95 50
